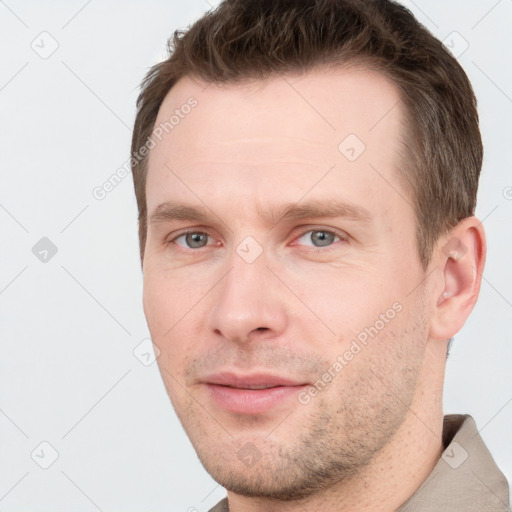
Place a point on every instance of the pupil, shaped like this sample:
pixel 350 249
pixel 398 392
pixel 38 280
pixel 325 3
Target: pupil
pixel 322 238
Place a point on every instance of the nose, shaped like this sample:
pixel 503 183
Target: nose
pixel 248 303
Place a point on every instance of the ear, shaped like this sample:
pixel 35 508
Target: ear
pixel 460 261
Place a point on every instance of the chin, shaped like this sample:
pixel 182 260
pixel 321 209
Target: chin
pixel 276 474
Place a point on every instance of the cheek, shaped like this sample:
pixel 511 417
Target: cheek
pixel 388 355
pixel 166 301
pixel 373 325
pixel 171 311
pixel 344 300
pixel 157 308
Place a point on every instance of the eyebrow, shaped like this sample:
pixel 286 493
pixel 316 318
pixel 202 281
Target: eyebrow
pixel 332 208
pixel 170 210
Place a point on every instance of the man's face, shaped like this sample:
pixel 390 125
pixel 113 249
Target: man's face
pixel 258 274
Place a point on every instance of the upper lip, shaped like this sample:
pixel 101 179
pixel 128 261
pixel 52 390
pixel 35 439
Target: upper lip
pixel 249 381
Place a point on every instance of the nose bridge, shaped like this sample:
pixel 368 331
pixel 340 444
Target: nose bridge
pixel 246 299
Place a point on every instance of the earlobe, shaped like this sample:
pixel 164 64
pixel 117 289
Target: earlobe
pixel 461 259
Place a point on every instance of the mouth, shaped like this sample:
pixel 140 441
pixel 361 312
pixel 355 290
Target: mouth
pixel 251 394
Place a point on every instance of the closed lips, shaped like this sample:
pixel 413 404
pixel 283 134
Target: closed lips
pixel 250 382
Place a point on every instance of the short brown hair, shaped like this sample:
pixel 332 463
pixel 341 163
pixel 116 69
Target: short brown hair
pixel 252 39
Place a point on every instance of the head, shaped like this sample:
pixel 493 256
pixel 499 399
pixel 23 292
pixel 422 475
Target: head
pixel 306 177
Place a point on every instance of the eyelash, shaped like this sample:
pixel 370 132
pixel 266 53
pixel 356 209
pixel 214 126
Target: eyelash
pixel 342 238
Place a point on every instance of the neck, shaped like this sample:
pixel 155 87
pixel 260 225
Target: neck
pixel 397 471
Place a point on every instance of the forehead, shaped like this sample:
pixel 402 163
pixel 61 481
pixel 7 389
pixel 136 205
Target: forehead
pixel 250 139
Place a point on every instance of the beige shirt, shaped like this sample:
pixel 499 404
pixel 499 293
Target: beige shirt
pixel 465 478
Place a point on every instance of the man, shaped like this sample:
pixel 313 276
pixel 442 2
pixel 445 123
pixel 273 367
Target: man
pixel 306 174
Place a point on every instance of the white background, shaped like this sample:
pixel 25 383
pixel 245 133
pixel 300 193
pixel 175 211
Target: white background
pixel 68 375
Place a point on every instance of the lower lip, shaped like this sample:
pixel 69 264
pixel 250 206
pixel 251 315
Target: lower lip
pixel 251 401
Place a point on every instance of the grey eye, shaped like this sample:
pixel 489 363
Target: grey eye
pixel 195 240
pixel 322 238
pixel 192 240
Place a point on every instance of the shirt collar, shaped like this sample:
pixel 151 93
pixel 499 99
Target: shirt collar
pixel 465 477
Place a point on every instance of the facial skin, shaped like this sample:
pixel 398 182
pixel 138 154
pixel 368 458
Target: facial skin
pixel 369 438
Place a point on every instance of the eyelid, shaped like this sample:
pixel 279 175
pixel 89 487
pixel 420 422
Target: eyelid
pixel 340 234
